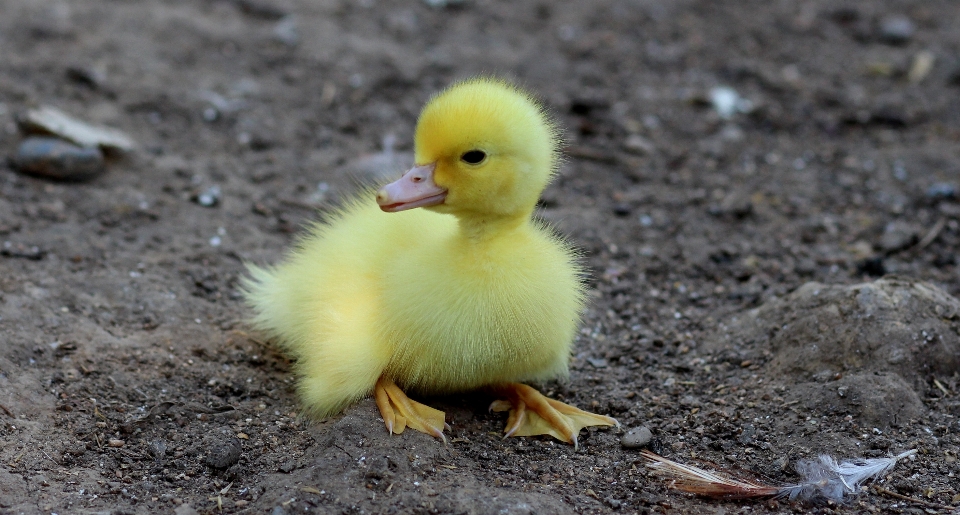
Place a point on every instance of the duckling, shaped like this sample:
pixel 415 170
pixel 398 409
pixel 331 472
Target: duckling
pixel 445 283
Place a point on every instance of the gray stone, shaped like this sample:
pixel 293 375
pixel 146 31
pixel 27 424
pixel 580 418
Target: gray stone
pixel 158 448
pixel 597 362
pixel 209 197
pixel 636 438
pixel 896 29
pixel 898 236
pixel 58 159
pixel 942 190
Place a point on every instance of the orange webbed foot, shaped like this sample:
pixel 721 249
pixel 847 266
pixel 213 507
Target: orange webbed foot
pixel 400 412
pixel 531 413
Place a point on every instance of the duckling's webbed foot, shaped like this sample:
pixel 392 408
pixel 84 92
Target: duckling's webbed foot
pixel 531 413
pixel 400 412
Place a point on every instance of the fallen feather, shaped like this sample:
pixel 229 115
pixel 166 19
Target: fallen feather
pixel 698 481
pixel 834 480
pixel 51 120
pixel 821 478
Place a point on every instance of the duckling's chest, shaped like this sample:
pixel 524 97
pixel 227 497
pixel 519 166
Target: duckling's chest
pixel 495 314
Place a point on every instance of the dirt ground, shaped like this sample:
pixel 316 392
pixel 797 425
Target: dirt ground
pixel 736 307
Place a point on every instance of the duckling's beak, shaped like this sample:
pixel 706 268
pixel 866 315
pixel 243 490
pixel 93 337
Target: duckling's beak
pixel 415 189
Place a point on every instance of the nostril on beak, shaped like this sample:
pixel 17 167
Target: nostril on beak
pixel 417 178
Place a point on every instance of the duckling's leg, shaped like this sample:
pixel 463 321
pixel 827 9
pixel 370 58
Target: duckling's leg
pixel 400 412
pixel 531 413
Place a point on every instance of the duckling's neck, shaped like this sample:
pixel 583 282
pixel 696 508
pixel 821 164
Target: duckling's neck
pixel 477 229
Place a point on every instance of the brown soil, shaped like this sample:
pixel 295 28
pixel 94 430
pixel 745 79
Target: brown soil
pixel 129 382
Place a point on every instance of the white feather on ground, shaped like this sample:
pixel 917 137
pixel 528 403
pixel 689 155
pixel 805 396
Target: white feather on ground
pixel 821 478
pixel 834 480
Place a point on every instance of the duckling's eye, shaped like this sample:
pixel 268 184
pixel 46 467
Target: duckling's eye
pixel 473 157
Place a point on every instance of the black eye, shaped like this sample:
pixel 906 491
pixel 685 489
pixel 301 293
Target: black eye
pixel 473 157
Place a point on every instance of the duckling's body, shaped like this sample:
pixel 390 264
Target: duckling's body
pixel 379 274
pixel 417 299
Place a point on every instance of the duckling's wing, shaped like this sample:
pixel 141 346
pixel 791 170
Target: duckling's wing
pixel 323 304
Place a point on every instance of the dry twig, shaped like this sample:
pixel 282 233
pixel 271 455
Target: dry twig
pixel 883 491
pixel 932 234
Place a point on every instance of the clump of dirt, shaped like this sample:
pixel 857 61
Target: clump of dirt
pixel 875 399
pixel 872 350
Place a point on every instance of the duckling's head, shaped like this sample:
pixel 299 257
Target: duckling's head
pixel 484 149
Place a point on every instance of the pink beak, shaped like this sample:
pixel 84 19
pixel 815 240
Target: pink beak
pixel 415 189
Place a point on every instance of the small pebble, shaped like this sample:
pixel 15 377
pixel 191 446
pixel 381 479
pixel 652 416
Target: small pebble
pixel 781 463
pixel 898 236
pixel 286 32
pixel 58 159
pixel 738 204
pixel 622 209
pixel 87 76
pixel 636 438
pixel 896 29
pixel 942 190
pixel 953 78
pixel 116 443
pixel 209 197
pixel 748 434
pixel 158 448
pixel 637 144
pixel 19 250
pixel 727 102
pixel 597 362
pixel 442 3
pixel 872 266
pixel 266 10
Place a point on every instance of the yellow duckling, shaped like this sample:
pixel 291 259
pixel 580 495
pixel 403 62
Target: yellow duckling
pixel 468 292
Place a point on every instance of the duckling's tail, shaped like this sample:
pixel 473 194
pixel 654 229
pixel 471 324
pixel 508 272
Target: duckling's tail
pixel 337 361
